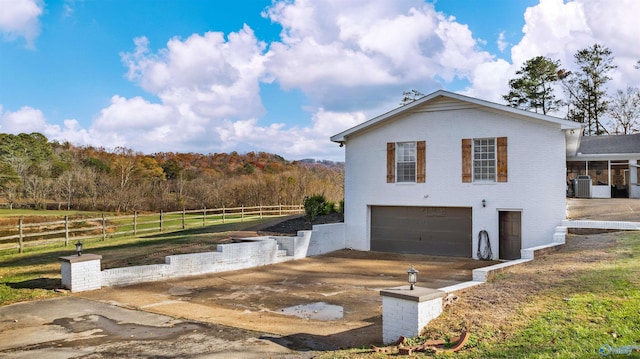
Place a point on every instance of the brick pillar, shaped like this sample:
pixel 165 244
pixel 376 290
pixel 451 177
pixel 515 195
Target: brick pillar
pixel 81 273
pixel 405 312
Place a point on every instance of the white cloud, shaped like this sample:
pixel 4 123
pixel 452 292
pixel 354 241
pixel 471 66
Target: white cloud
pixel 296 142
pixel 376 49
pixel 19 18
pixel 24 120
pixel 214 77
pixel 557 29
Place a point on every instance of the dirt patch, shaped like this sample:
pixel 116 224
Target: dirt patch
pixel 301 223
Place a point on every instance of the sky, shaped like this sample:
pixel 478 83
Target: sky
pixel 270 75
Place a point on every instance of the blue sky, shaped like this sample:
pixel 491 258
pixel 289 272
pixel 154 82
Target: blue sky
pixel 274 76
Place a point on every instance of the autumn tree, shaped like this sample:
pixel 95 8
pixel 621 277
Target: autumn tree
pixel 586 88
pixel 534 88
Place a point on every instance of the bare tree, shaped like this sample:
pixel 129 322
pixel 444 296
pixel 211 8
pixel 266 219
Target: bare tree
pixel 624 108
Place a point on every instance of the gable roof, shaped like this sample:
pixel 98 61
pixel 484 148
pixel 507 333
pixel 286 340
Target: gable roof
pixel 614 144
pixel 473 102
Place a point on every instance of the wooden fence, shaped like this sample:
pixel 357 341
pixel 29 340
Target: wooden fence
pixel 72 230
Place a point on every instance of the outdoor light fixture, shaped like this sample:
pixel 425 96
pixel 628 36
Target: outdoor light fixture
pixel 413 276
pixel 484 203
pixel 79 248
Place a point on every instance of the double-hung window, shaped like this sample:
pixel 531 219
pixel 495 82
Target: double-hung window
pixel 406 162
pixel 484 160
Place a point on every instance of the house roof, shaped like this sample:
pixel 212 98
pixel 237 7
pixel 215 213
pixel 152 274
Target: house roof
pixel 564 124
pixel 614 144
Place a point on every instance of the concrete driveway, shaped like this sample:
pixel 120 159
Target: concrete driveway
pixel 346 282
pixel 286 310
pixel 605 209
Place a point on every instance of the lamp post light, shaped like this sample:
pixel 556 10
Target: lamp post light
pixel 79 248
pixel 413 277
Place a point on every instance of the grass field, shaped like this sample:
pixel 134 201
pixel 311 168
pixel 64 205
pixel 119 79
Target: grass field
pixel 21 228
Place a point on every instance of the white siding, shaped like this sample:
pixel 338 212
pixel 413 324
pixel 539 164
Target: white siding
pixel 536 173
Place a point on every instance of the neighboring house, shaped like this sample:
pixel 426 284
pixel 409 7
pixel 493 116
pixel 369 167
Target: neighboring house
pixel 439 175
pixel 611 162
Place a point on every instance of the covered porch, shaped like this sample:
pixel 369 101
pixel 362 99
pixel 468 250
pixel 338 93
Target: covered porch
pixel 604 167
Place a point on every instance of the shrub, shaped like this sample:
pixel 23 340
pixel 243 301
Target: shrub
pixel 314 206
pixel 341 207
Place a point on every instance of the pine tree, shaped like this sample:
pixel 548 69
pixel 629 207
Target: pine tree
pixel 534 89
pixel 586 88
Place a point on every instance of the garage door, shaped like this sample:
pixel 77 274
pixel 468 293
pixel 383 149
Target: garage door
pixel 441 231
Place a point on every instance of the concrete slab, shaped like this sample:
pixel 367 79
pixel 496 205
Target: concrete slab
pixel 73 327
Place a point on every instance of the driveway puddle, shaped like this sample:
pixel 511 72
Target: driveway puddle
pixel 316 311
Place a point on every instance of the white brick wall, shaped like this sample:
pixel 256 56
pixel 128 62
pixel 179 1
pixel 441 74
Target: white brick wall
pixel 402 317
pixel 252 252
pixel 327 238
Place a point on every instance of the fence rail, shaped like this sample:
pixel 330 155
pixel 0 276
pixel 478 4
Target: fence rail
pixel 63 231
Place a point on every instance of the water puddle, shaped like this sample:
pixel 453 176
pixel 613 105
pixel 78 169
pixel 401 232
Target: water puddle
pixel 316 311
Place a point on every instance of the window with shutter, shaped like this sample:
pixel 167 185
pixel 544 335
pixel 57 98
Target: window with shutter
pixel 484 160
pixel 406 162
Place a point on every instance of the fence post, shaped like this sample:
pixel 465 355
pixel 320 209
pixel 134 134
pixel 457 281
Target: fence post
pixel 20 236
pixel 104 229
pixel 183 218
pixel 66 231
pixel 160 221
pixel 204 216
pixel 135 223
pixel 223 214
pixel 280 209
pixel 260 211
pixel 242 213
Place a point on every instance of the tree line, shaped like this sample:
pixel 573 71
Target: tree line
pixel 38 173
pixel 585 97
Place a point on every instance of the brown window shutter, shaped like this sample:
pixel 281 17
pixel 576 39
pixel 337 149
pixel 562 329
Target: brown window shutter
pixel 391 162
pixel 502 159
pixel 466 160
pixel 421 158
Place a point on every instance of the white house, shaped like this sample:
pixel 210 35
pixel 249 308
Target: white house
pixel 445 173
pixel 611 162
